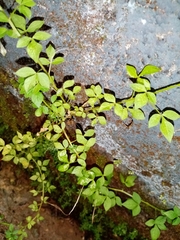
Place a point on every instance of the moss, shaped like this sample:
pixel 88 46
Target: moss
pixel 15 112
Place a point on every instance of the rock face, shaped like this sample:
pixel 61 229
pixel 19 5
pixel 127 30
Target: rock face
pixel 98 38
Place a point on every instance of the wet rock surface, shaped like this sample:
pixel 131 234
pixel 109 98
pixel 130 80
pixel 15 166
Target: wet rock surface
pixel 98 38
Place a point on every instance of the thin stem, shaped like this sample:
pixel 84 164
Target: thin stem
pixel 166 88
pixel 13 27
pixel 67 214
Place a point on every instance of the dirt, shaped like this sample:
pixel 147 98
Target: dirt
pixel 14 201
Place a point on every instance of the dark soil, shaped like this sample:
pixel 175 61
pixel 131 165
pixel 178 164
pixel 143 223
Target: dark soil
pixel 14 201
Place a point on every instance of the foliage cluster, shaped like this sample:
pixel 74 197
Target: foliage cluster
pixel 58 105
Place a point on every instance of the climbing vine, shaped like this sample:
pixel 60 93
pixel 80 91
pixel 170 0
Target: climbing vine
pixel 58 105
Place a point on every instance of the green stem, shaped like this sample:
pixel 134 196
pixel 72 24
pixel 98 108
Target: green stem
pixel 166 88
pixel 69 141
pixel 129 195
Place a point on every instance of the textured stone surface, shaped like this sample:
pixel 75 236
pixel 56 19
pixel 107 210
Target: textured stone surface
pixel 98 38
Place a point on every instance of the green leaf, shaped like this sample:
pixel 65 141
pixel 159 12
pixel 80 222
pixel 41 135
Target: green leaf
pixel 81 162
pixel 63 168
pixel 108 170
pixel 150 223
pixel 7 158
pixel 23 42
pixel 151 97
pixel 170 214
pixel 34 177
pixel 155 233
pixel 176 221
pixel 28 3
pixel 24 162
pixel 50 52
pixel 41 35
pixel 118 201
pixel 99 199
pixel 2 144
pixel 90 93
pixel 29 83
pixel 130 180
pixel 105 106
pixel 68 84
pixel 107 204
pixel 43 80
pixel 3 17
pixel 44 61
pixel 136 197
pixel 136 211
pixel 78 171
pixel 76 89
pixel 98 90
pixel 124 114
pixel 154 120
pixel 25 72
pixel 130 204
pixel 137 87
pixel 149 69
pixel 58 60
pixel 19 21
pixel 88 192
pixel 131 71
pixel 140 100
pixel 122 178
pixel 37 99
pixel 170 114
pixel 90 143
pixel 38 112
pixel 118 109
pixel 3 31
pixel 35 25
pixel 167 129
pixel 81 139
pixel 137 114
pixel 109 97
pixel 33 50
pixel 89 133
pixel 97 171
pixel 160 220
pixel 177 210
pixel 25 11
